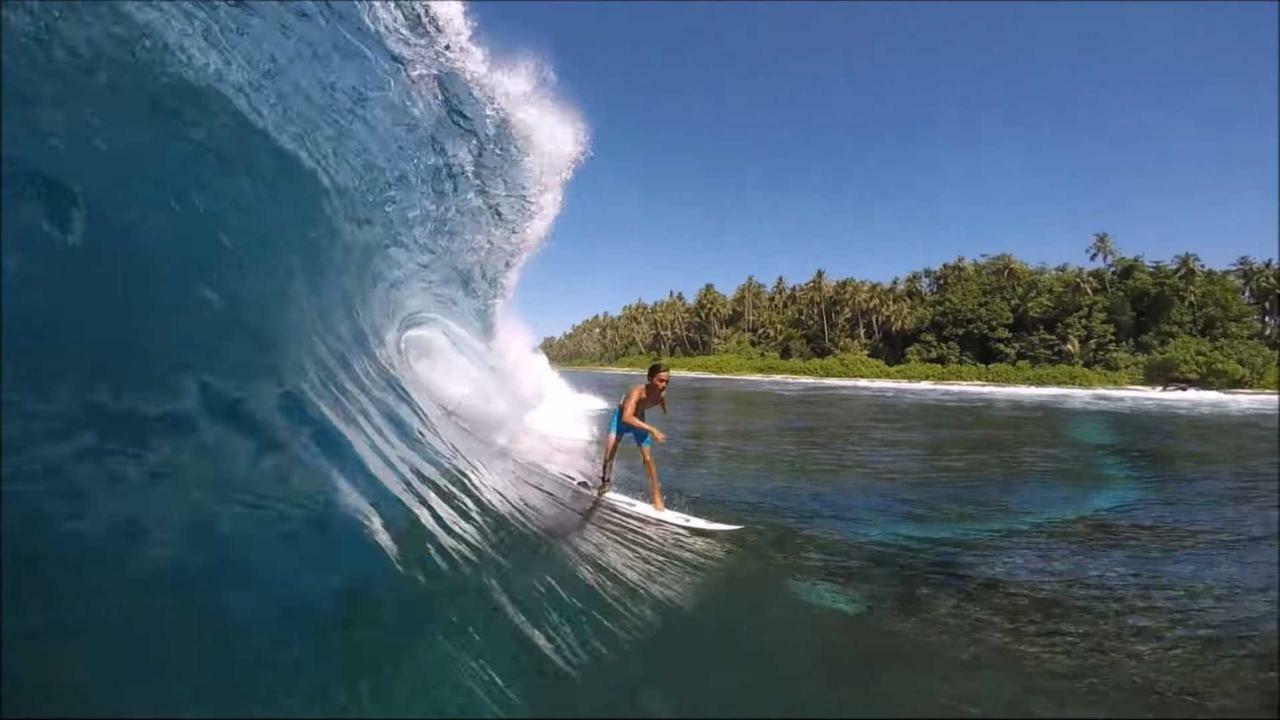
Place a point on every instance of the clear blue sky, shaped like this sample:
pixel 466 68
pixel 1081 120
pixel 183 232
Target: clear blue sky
pixel 873 139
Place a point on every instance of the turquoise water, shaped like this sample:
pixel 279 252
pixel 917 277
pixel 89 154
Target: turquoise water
pixel 271 446
pixel 929 551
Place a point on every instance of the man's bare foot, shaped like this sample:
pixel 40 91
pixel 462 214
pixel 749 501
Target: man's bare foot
pixel 658 504
pixel 605 484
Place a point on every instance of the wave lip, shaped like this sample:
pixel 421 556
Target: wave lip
pixel 551 136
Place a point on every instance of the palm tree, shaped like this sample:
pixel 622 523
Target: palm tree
pixel 720 312
pixel 1103 248
pixel 894 317
pixel 1187 268
pixel 779 304
pixel 1268 288
pixel 747 301
pixel 816 292
pixel 1250 275
pixel 680 313
pixel 1081 281
pixel 949 274
pixel 842 308
pixel 632 321
pixel 710 308
pixel 855 296
pixel 1008 268
pixel 875 309
pixel 662 325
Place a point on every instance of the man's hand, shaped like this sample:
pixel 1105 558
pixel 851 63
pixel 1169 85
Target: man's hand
pixel 657 435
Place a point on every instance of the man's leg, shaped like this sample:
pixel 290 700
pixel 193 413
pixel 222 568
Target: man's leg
pixel 653 478
pixel 606 472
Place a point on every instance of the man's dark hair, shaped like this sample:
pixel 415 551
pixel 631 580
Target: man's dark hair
pixel 656 368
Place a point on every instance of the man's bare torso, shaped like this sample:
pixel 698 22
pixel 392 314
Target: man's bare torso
pixel 645 401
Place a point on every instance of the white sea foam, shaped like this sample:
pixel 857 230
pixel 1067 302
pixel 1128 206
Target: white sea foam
pixel 503 387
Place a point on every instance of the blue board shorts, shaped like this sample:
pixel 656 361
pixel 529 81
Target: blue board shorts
pixel 619 428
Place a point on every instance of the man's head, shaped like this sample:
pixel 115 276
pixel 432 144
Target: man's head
pixel 659 374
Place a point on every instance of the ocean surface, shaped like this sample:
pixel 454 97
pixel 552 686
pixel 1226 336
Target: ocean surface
pixel 271 445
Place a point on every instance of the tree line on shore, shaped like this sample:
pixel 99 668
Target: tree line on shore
pixel 1126 318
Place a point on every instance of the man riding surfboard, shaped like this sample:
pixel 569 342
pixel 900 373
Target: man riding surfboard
pixel 628 419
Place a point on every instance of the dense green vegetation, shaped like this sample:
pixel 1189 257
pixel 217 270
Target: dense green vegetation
pixel 996 319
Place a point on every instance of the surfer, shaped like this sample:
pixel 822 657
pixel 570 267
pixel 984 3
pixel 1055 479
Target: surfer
pixel 628 419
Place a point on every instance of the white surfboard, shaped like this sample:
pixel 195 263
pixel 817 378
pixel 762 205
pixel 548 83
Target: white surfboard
pixel 646 510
